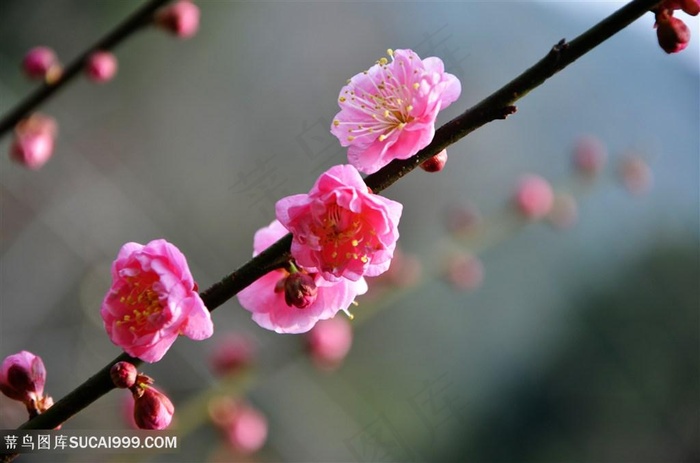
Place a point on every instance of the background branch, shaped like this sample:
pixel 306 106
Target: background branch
pixel 496 106
pixel 133 23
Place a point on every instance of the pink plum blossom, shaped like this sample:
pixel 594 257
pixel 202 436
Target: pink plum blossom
pixel 268 305
pixel 153 299
pixel 340 228
pixel 388 112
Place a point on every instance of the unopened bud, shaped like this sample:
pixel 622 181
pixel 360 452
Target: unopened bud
pixel 590 155
pixel 152 409
pixel 101 66
pixel 299 290
pixel 232 354
pixel 41 63
pixel 123 374
pixel 464 272
pixel 329 342
pixel 33 141
pixel 436 163
pixel 533 197
pixel 181 18
pixel 22 377
pixel 672 33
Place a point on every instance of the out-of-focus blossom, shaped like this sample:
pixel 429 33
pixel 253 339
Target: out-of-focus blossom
pixel 533 197
pixel 464 272
pixel 41 63
pixel 340 228
pixel 636 175
pixel 101 66
pixel 329 342
pixel 232 354
pixel 153 299
pixel 265 298
pixel 564 212
pixel 463 218
pixel 180 18
pixel 590 155
pixel 33 142
pixel 243 426
pixel 388 112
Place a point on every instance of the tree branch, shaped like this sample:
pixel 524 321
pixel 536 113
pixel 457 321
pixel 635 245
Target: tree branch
pixel 133 23
pixel 497 106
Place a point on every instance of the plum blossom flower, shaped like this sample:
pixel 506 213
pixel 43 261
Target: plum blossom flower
pixel 533 197
pixel 243 426
pixel 153 299
pixel 340 228
pixel 388 112
pixel 266 300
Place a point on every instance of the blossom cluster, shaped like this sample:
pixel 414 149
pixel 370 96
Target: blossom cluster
pixel 341 231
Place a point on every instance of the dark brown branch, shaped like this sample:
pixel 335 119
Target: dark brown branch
pixel 497 106
pixel 133 23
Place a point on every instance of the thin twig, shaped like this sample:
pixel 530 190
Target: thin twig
pixel 133 23
pixel 496 106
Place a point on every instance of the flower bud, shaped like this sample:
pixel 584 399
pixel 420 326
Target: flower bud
pixel 329 342
pixel 636 175
pixel 533 197
pixel 41 63
pixel 590 155
pixel 247 430
pixel 299 290
pixel 123 374
pixel 436 163
pixel 564 211
pixel 232 354
pixel 22 377
pixel 181 18
pixel 101 66
pixel 152 409
pixel 672 33
pixel 33 141
pixel 464 272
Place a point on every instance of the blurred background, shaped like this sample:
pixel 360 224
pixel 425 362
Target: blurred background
pixel 578 345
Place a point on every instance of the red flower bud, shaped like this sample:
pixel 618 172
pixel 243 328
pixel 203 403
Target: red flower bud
pixel 299 290
pixel 672 33
pixel 436 163
pixel 152 409
pixel 123 374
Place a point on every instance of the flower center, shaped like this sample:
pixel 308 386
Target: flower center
pixel 345 236
pixel 386 108
pixel 144 303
